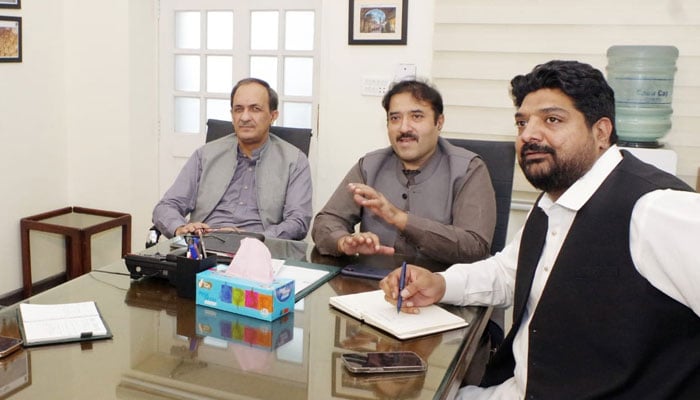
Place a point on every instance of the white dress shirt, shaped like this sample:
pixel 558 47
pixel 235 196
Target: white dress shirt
pixel 664 230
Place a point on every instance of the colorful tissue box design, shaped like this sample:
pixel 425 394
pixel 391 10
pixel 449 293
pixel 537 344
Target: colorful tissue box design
pixel 236 328
pixel 241 296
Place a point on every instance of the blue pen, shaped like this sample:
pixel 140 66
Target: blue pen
pixel 197 248
pixel 402 283
pixel 193 254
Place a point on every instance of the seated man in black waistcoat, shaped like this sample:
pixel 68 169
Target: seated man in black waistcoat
pixel 604 275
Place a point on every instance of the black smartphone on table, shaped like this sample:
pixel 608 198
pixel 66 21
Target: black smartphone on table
pixel 383 362
pixel 365 271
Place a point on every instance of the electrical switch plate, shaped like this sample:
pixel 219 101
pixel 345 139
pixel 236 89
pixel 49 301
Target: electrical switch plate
pixel 374 86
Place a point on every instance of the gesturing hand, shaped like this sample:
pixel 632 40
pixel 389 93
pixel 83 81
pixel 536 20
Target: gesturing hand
pixel 369 198
pixel 362 243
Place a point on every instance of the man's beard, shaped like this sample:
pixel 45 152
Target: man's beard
pixel 562 173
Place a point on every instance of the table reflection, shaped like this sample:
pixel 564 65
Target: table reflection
pixel 351 335
pixel 161 348
pixel 201 350
pixel 15 369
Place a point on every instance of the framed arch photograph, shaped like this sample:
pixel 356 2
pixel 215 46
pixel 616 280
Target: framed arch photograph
pixel 378 22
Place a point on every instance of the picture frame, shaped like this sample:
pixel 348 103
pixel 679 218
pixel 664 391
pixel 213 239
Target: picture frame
pixel 378 22
pixel 10 39
pixel 10 4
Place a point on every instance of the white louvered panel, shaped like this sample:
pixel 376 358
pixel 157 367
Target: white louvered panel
pixel 497 65
pixel 688 162
pixel 684 132
pixel 480 121
pixel 472 92
pixel 686 99
pixel 561 39
pixel 688 68
pixel 548 12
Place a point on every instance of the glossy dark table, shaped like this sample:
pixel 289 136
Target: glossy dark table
pixel 159 351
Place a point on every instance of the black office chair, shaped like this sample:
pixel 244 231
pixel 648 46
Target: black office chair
pixel 500 160
pixel 300 137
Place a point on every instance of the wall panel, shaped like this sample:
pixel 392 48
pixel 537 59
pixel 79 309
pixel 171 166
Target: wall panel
pixel 550 12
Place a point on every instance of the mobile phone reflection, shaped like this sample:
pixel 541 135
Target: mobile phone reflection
pixel 354 336
pixel 387 386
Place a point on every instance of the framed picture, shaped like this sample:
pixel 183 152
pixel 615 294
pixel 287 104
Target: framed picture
pixel 10 3
pixel 10 39
pixel 378 21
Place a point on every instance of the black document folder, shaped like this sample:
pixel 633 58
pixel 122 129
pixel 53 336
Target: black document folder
pixel 228 242
pixel 42 324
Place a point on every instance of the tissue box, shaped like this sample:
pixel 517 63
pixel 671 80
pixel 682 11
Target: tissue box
pixel 241 296
pixel 236 328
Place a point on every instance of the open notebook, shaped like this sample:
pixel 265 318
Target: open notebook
pixel 61 323
pixel 373 309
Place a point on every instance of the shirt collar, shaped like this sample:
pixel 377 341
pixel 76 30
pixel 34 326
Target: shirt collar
pixel 425 171
pixel 578 194
pixel 255 154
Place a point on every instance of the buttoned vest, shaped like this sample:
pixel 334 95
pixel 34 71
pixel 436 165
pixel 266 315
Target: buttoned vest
pixel 272 171
pixel 600 329
pixel 431 197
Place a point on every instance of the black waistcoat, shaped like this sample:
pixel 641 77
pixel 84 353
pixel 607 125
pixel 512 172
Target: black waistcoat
pixel 601 330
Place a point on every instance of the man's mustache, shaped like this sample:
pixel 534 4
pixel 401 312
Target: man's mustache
pixel 536 147
pixel 407 136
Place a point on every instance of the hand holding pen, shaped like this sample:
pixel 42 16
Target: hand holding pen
pixel 420 288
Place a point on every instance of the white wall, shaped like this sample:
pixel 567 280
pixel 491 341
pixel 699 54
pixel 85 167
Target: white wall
pixel 78 118
pixel 34 158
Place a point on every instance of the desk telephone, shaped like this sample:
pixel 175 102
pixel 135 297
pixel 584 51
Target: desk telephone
pixel 158 265
pixel 223 244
